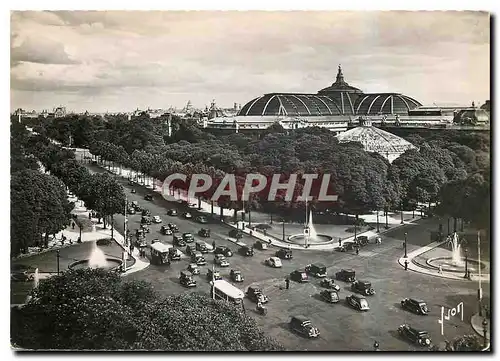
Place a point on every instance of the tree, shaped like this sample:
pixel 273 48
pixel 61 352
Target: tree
pixel 97 309
pixel 467 343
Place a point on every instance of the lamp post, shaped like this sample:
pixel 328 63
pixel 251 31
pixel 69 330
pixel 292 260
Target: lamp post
pixel 58 256
pixel 283 230
pixel 378 229
pixel 466 251
pixel 448 225
pixel 485 332
pixel 406 234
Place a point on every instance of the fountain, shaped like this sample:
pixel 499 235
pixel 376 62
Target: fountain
pixel 36 278
pixel 310 235
pixel 97 259
pixel 456 258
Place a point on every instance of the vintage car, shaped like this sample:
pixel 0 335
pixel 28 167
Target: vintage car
pixel 178 241
pixel 303 326
pixel 236 276
pixel 202 219
pixel 416 306
pixel 260 245
pixel 186 279
pixel 148 197
pixel 173 227
pixel 198 258
pixel 145 220
pixel 201 246
pixel 363 287
pixel 346 246
pixel 213 275
pixel 187 237
pixel 193 268
pixel 165 231
pixel 330 284
pixel 299 276
pixel 346 275
pixel 172 212
pixel 133 190
pixel 174 254
pixel 236 233
pixel 246 251
pixel 187 215
pixel 274 262
pixel 140 232
pixel 329 296
pixel 357 302
pixel 156 219
pixel 146 212
pixel 145 228
pixel 284 253
pixel 221 260
pixel 418 337
pixel 226 251
pixel 362 240
pixel 254 293
pixel 131 210
pixel 204 232
pixel 316 269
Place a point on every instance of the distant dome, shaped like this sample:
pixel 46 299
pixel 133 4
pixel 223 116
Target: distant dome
pixel 472 116
pixel 373 139
pixel 385 103
pixel 342 93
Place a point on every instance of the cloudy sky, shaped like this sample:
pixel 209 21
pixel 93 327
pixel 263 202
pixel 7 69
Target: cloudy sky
pixel 118 61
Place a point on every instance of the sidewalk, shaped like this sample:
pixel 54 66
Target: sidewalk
pixel 477 324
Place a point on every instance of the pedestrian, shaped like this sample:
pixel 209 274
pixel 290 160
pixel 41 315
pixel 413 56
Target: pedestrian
pixel 213 245
pixel 440 270
pixel 72 225
pixel 406 265
pixel 131 248
pixel 357 250
pixel 287 282
pixel 340 242
pixel 379 240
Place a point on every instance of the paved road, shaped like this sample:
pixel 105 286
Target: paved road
pixel 341 327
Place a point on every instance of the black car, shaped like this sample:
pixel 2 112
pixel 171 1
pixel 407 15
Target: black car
pixel 190 250
pixel 202 219
pixel 416 306
pixel 204 232
pixel 174 254
pixel 299 276
pixel 165 230
pixel 236 233
pixel 173 227
pixel 198 258
pixel 329 296
pixel 418 337
pixel 254 293
pixel 188 237
pixel 236 276
pixel 363 287
pixel 133 191
pixel 131 210
pixel 330 284
pixel 146 212
pixel 145 220
pixel 223 250
pixel 260 245
pixel 316 269
pixel 148 197
pixel 178 241
pixel 172 212
pixel 303 326
pixel 346 275
pixel 362 240
pixel 284 253
pixel 246 251
pixel 201 246
pixel 357 302
pixel 346 246
pixel 186 279
pixel 213 275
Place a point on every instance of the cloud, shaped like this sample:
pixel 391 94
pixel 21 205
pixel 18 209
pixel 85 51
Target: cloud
pixel 43 51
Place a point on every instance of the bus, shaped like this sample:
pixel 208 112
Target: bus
pixel 159 253
pixel 226 291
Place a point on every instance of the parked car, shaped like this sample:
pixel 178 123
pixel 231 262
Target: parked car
pixel 145 220
pixel 346 275
pixel 274 262
pixel 418 337
pixel 213 275
pixel 260 245
pixel 236 276
pixel 186 279
pixel 357 302
pixel 246 251
pixel 299 276
pixel 174 254
pixel 145 228
pixel 198 258
pixel 133 191
pixel 221 260
pixel 165 230
pixel 146 212
pixel 193 268
pixel 188 237
pixel 135 204
pixel 226 251
pixel 201 246
pixel 330 284
pixel 172 212
pixel 148 197
pixel 346 246
pixel 178 241
pixel 192 205
pixel 173 227
pixel 363 287
pixel 254 293
pixel 329 296
pixel 303 326
pixel 284 253
pixel 156 219
pixel 416 306
pixel 236 233
pixel 204 232
pixel 362 240
pixel 187 215
pixel 316 269
pixel 140 233
pixel 202 219
pixel 131 210
pixel 190 250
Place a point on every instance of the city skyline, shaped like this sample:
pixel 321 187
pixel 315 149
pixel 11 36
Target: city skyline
pixel 123 60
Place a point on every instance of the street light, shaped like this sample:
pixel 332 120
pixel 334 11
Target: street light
pixel 58 256
pixel 406 234
pixel 485 331
pixel 378 230
pixel 466 251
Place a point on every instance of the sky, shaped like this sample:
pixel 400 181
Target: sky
pixel 122 60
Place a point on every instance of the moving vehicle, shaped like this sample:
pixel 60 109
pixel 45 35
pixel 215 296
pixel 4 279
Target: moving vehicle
pixel 246 251
pixel 187 237
pixel 190 250
pixel 236 233
pixel 193 268
pixel 261 309
pixel 192 205
pixel 173 227
pixel 133 191
pixel 165 231
pixel 145 220
pixel 213 274
pixel 204 232
pixel 156 219
pixel 363 287
pixel 316 269
pixel 418 337
pixel 357 302
pixel 202 219
pixel 226 251
pixel 284 253
pixel 198 258
pixel 178 241
pixel 135 204
pixel 236 276
pixel 299 276
pixel 188 215
pixel 346 246
pixel 186 279
pixel 274 262
pixel 131 210
pixel 201 246
pixel 346 275
pixel 330 284
pixel 174 254
pixel 362 240
pixel 329 296
pixel 172 212
pixel 146 212
pixel 140 232
pixel 303 326
pixel 159 253
pixel 225 291
pixel 254 293
pixel 416 306
pixel 221 260
pixel 145 228
pixel 260 245
pixel 148 197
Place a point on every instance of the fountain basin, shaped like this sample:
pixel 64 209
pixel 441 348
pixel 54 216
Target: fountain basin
pixel 112 264
pixel 316 239
pixel 449 264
